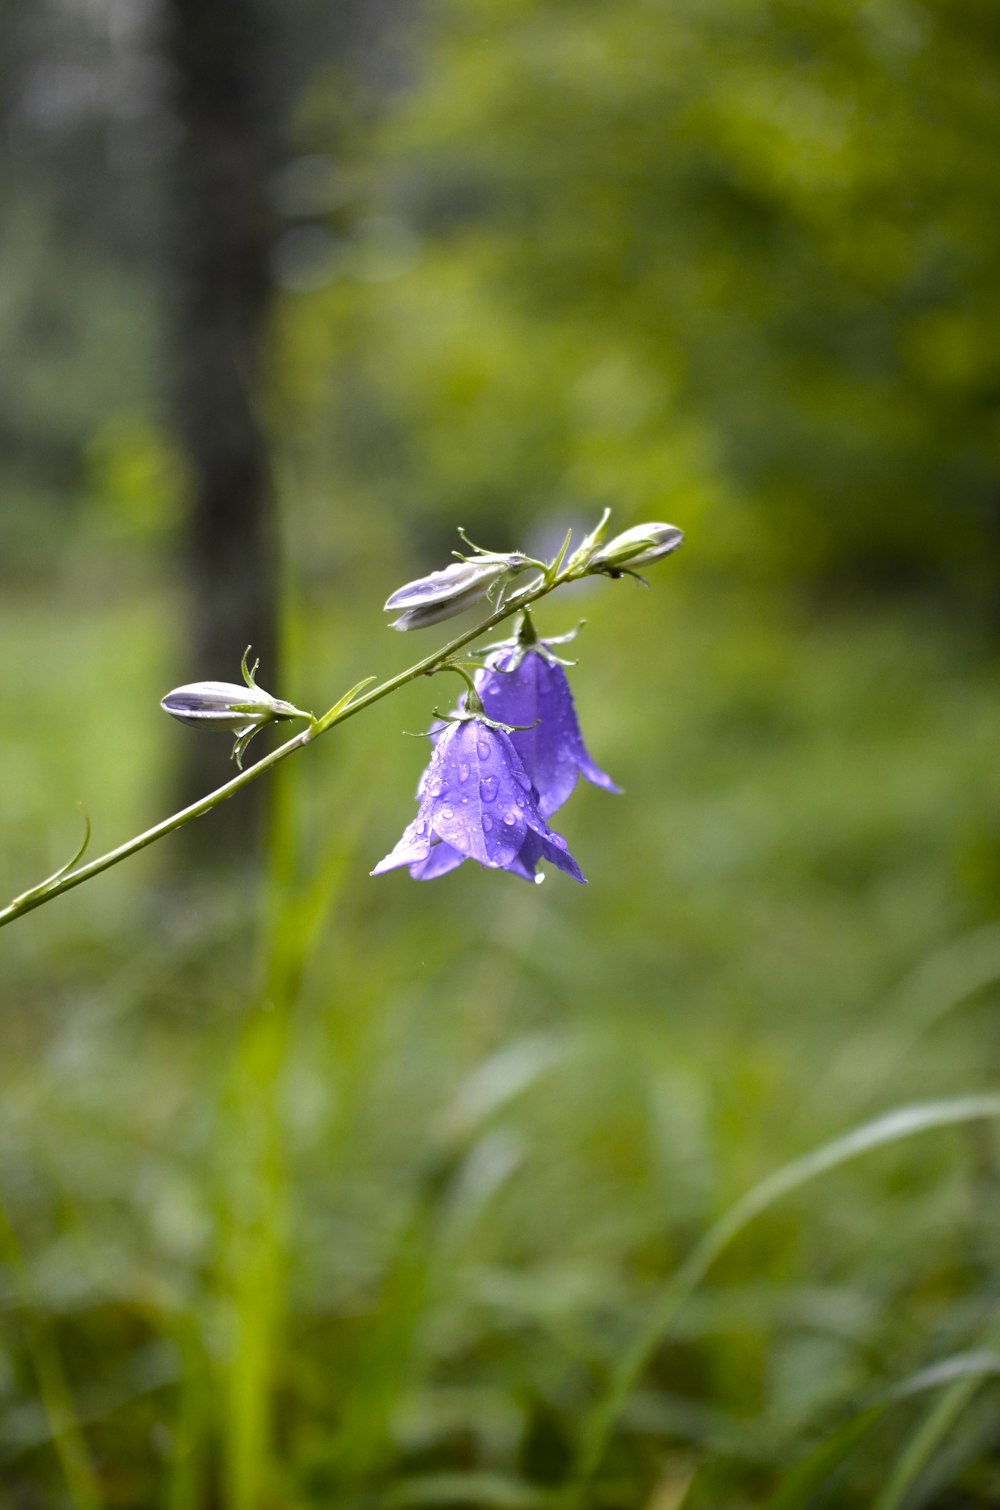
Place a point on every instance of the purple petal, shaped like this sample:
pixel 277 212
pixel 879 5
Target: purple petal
pixel 553 847
pixel 537 697
pixel 412 848
pixel 527 857
pixel 441 859
pixel 478 793
pixel 477 802
pixel 459 581
pixel 593 773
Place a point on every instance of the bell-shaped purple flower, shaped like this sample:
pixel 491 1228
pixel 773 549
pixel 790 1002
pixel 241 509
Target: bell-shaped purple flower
pixel 525 687
pixel 476 802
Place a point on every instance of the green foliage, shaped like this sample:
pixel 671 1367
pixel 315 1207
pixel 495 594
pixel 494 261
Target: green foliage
pixel 732 261
pixel 361 1191
pixel 322 1191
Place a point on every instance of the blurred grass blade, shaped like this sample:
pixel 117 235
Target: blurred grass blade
pixel 949 978
pixel 878 1133
pixel 820 1469
pixel 54 1393
pixel 816 1476
pixel 255 1205
pixel 185 1471
pixel 964 1375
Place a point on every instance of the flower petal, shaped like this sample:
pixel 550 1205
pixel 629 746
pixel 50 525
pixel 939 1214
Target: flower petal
pixel 536 696
pixel 441 859
pixel 477 802
pixel 456 581
pixel 478 793
pixel 553 847
pixel 413 847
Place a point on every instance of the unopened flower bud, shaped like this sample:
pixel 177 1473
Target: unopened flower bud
pixel 243 710
pixel 441 594
pixel 638 546
pixel 225 705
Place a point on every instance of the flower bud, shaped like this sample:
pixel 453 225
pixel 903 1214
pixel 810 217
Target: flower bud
pixel 638 546
pixel 441 594
pixel 226 705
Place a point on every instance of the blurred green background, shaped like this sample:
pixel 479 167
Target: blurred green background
pixel 324 1191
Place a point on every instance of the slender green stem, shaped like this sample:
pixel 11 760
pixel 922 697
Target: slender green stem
pixel 338 714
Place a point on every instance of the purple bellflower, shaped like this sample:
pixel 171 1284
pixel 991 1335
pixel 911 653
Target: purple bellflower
pixel 525 686
pixel 476 802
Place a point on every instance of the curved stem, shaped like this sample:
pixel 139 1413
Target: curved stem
pixel 338 714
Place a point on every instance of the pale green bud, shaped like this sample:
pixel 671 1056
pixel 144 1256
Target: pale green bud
pixel 639 546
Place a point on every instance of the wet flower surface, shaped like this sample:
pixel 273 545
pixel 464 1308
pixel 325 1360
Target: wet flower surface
pixel 477 802
pixel 227 705
pixel 529 691
pixel 441 594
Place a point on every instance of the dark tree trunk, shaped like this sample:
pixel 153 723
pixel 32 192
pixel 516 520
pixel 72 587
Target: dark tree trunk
pixel 226 105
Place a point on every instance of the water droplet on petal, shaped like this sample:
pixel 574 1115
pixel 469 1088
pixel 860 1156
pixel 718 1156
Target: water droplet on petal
pixel 523 779
pixel 559 841
pixel 488 788
pixel 484 748
pixel 487 823
pixel 505 853
pixel 435 788
pixel 420 828
pixel 510 819
pixel 447 812
pixel 540 878
pixel 463 770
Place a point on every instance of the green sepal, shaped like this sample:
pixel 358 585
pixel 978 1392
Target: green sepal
pixel 249 672
pixel 580 559
pixel 242 743
pixel 462 716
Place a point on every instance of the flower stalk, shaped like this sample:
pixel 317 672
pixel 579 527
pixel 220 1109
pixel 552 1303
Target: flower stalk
pixel 351 703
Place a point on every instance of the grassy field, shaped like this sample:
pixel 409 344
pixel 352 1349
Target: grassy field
pixel 321 1190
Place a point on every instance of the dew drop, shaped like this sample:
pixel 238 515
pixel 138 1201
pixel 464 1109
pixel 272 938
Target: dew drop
pixel 447 812
pixel 540 878
pixel 523 780
pixel 420 828
pixel 484 748
pixel 488 788
pixel 487 823
pixel 510 819
pixel 463 770
pixel 559 841
pixel 435 788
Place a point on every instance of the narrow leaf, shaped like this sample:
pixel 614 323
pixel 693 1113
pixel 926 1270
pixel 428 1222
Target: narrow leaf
pixel 64 870
pixel 877 1133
